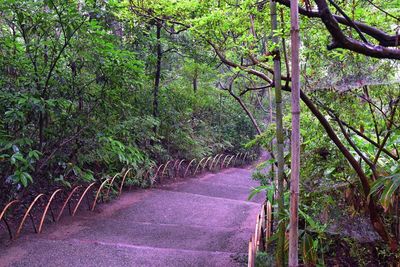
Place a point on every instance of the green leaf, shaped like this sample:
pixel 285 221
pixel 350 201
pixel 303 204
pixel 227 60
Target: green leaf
pixel 389 191
pixel 309 252
pixel 23 179
pixel 20 17
pixel 28 176
pixel 17 157
pixel 4 156
pixel 269 189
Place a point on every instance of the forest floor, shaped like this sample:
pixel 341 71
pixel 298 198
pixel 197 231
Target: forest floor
pixel 202 221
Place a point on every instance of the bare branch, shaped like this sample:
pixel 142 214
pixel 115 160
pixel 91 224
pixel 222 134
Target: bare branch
pixel 339 40
pixel 235 65
pixel 382 37
pixel 351 22
pixel 255 89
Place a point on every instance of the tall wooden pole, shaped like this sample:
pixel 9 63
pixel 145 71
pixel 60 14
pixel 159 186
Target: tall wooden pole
pixel 295 139
pixel 280 248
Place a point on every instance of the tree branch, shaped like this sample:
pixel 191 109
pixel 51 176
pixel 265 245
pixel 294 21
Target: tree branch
pixel 350 21
pixel 255 88
pixel 339 40
pixel 351 143
pixel 382 37
pixel 235 65
pixel 365 89
pixel 241 103
pixel 389 127
pixel 372 142
pixel 376 220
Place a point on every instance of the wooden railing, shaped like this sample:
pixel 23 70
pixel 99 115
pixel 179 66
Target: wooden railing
pixel 262 233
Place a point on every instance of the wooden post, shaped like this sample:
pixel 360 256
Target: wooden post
pixel 295 139
pixel 257 233
pixel 254 254
pixel 250 262
pixel 262 229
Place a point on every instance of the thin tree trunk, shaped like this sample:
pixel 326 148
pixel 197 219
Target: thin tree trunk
pixel 295 139
pixel 280 249
pixel 248 112
pixel 157 76
pixel 195 81
pixel 271 114
pixel 41 130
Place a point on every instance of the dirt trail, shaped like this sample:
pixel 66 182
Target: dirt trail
pixel 203 221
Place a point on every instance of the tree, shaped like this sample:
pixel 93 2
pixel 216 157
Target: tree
pixel 238 51
pixel 157 75
pixel 295 139
pixel 78 81
pixel 280 250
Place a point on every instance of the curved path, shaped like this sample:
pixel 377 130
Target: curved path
pixel 203 221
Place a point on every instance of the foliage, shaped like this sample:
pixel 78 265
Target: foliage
pixel 76 95
pixel 78 99
pixel 387 188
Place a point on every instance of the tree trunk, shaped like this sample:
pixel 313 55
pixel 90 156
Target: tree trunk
pixel 41 130
pixel 157 76
pixel 249 114
pixel 280 249
pixel 375 218
pixel 195 81
pixel 295 139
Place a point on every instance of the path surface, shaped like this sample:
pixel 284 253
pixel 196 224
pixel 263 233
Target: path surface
pixel 202 221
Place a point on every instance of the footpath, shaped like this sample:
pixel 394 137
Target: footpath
pixel 201 221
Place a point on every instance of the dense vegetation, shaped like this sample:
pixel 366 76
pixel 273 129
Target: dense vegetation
pixel 78 97
pixel 90 86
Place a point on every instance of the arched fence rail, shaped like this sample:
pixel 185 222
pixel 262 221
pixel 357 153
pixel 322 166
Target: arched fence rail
pixel 104 190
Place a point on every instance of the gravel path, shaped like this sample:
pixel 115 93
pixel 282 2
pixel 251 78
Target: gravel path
pixel 203 221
